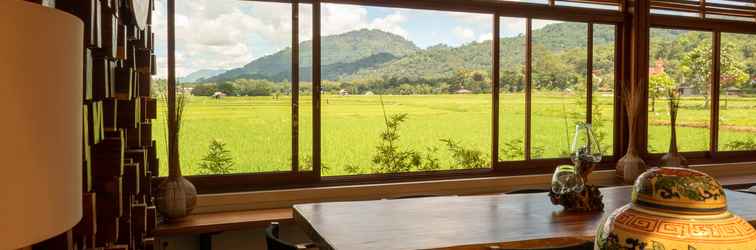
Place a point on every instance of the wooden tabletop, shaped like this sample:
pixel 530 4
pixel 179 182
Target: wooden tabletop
pixel 437 222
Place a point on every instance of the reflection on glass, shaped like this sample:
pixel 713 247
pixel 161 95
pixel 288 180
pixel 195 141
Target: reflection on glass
pixel 512 89
pixel 408 97
pixel 305 88
pixel 681 61
pixel 559 85
pixel 237 79
pixel 602 108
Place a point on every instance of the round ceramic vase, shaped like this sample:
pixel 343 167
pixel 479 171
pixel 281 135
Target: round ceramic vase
pixel 675 208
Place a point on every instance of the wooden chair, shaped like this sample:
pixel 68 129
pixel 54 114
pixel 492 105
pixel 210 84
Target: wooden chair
pixel 275 243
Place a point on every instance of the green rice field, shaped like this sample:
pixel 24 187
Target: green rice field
pixel 257 130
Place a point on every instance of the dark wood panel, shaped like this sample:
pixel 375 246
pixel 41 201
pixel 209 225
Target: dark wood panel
pixel 434 222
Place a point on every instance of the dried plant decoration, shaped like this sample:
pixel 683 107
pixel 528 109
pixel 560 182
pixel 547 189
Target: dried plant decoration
pixel 630 166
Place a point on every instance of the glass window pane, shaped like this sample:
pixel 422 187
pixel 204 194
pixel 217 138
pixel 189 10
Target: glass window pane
pixel 159 84
pixel 305 87
pixel 602 109
pixel 737 93
pixel 512 89
pixel 680 61
pixel 233 62
pixel 559 85
pixel 404 90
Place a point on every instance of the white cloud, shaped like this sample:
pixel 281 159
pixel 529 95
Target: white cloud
pixel 485 37
pixel 213 34
pixel 465 34
pixel 391 23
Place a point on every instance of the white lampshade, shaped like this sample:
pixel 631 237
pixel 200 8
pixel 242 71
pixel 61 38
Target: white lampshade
pixel 41 72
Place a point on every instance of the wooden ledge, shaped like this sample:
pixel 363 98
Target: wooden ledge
pixel 225 221
pixel 735 178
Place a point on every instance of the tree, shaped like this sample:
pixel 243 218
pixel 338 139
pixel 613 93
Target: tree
pixel 203 90
pixel 697 63
pixel 228 88
pixel 248 87
pixel 658 86
pixel 733 73
pixel 218 159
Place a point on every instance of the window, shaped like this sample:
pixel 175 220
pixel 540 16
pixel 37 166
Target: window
pixel 404 91
pixel 159 84
pixel 603 85
pixel 559 85
pixel 282 94
pixel 680 61
pixel 683 61
pixel 557 98
pixel 233 67
pixel 512 102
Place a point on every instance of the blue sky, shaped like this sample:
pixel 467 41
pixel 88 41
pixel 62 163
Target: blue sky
pixel 224 34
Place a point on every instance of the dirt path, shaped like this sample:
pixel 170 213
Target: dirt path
pixel 706 125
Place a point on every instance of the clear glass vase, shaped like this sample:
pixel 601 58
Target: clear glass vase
pixel 566 179
pixel 585 150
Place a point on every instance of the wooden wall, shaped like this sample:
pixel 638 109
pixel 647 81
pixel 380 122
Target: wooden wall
pixel 119 157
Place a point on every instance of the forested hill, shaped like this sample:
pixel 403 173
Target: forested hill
pixel 441 62
pixel 365 54
pixel 350 51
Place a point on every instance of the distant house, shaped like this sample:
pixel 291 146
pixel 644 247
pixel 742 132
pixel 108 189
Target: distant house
pixel 218 95
pixel 658 68
pixel 369 93
pixel 463 91
pixel 343 92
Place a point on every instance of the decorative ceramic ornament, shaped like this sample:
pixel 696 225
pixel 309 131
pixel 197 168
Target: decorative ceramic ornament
pixel 675 208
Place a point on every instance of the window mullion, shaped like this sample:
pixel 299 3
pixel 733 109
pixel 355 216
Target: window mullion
pixel 295 85
pixel 528 84
pixel 316 87
pixel 589 77
pixel 715 78
pixel 495 92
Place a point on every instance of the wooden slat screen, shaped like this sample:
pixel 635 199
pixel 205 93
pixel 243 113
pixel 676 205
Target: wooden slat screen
pixel 740 10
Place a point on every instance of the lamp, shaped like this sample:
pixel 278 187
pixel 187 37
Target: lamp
pixel 41 74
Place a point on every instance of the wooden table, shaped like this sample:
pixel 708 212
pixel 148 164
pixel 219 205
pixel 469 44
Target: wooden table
pixel 206 225
pixel 436 222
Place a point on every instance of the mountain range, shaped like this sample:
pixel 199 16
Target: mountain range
pixel 371 54
pixel 201 74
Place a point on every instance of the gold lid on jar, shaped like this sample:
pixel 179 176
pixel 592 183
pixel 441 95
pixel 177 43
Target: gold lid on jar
pixel 679 190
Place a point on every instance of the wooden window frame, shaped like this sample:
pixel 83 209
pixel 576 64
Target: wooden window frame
pixel 621 19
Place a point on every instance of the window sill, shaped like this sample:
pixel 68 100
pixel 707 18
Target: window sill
pixel 732 175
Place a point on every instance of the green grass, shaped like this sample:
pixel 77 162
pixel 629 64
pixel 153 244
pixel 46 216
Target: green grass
pixel 257 130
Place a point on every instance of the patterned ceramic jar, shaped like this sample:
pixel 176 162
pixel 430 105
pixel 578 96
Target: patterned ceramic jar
pixel 675 208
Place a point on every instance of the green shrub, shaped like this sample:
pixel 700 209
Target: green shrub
pixel 465 158
pixel 218 159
